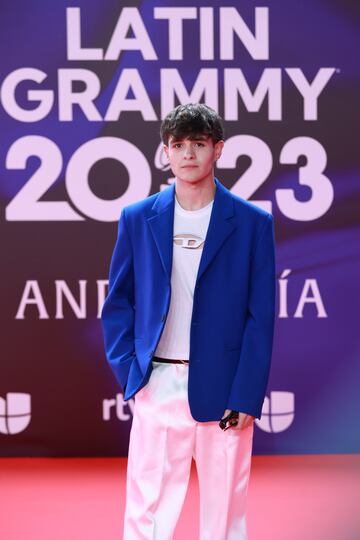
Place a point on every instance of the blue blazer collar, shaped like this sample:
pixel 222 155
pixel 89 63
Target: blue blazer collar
pixel 221 225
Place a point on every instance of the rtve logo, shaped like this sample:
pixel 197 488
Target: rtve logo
pixel 15 412
pixel 278 412
pixel 118 406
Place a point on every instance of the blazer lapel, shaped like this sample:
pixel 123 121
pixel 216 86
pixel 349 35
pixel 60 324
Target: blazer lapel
pixel 221 225
pixel 162 226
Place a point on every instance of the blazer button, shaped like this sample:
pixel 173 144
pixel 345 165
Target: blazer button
pixel 163 317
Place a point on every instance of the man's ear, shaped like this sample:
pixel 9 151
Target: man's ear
pixel 166 150
pixel 218 149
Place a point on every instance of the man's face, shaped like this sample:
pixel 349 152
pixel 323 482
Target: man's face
pixel 192 160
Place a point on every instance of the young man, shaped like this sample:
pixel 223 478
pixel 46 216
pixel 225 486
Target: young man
pixel 188 325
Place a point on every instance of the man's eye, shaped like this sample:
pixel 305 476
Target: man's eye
pixel 199 144
pixel 177 145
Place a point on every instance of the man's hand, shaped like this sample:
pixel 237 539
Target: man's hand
pixel 245 420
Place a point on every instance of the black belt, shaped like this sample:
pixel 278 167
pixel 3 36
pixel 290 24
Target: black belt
pixel 169 360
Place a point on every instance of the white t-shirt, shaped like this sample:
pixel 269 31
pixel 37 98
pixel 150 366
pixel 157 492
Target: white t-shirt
pixel 190 228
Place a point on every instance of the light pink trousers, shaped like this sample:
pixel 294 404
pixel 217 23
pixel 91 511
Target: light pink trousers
pixel 164 438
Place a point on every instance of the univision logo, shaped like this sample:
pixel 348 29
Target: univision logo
pixel 277 413
pixel 15 412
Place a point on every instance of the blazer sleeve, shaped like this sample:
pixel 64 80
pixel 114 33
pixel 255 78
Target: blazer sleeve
pixel 118 312
pixel 251 377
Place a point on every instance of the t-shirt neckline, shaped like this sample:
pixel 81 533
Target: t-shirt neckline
pixel 201 210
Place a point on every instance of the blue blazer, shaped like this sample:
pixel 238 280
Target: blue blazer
pixel 232 325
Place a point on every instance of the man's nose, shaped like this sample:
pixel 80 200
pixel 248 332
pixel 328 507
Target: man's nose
pixel 189 152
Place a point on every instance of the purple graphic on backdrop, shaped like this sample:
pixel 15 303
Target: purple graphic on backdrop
pixel 81 107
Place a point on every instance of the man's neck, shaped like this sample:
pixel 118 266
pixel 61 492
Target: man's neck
pixel 194 196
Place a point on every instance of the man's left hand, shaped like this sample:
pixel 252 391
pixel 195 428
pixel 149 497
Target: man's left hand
pixel 245 420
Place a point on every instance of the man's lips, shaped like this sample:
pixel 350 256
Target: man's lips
pixel 189 166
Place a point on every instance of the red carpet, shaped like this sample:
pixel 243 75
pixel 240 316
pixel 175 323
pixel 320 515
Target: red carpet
pixel 290 498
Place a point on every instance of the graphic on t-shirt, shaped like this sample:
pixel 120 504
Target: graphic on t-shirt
pixel 188 240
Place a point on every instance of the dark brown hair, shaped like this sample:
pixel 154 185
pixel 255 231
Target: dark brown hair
pixel 191 120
